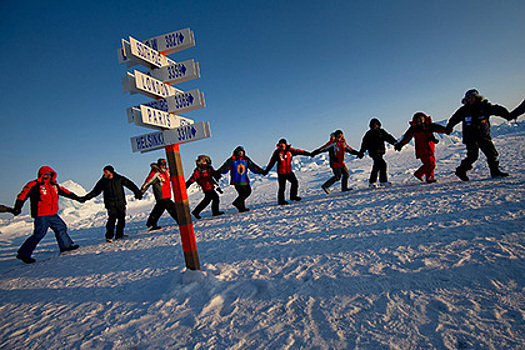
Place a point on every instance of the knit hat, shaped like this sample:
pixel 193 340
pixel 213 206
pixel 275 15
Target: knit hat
pixel 374 121
pixel 110 169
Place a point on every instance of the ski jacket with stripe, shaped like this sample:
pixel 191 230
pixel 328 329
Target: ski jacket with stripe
pixel 337 149
pixel 475 120
pixel 424 140
pixel 160 182
pixel 283 158
pixel 204 177
pixel 43 195
pixel 238 168
pixel 114 195
pixel 374 142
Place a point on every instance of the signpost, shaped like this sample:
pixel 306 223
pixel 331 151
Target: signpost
pixel 173 130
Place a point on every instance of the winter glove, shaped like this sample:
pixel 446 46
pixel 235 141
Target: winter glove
pixel 5 209
pixel 18 207
pixel 361 154
pixel 354 152
pixel 398 146
pixel 314 153
pixel 219 190
pixel 448 130
pixel 217 176
pixel 138 196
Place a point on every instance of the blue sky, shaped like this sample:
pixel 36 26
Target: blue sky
pixel 269 69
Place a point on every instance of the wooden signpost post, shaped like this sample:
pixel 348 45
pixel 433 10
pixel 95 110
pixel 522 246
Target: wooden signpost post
pixel 159 114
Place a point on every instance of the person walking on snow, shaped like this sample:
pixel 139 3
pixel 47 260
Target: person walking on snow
pixel 374 142
pixel 474 116
pixel 422 130
pixel 112 185
pixel 283 157
pixel 159 179
pixel 204 176
pixel 337 148
pixel 43 194
pixel 238 165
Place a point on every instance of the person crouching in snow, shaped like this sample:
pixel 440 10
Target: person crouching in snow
pixel 374 142
pixel 337 148
pixel 204 176
pixel 238 165
pixel 159 179
pixel 43 194
pixel 422 130
pixel 283 157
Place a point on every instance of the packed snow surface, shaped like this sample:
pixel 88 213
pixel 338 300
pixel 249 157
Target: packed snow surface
pixel 412 266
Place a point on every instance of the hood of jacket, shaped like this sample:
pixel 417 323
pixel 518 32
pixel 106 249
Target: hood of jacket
pixel 44 170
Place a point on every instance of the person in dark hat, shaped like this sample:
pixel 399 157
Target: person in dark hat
pixel 112 184
pixel 238 165
pixel 374 142
pixel 283 157
pixel 474 116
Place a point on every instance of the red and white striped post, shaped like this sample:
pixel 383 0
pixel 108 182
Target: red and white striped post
pixel 182 205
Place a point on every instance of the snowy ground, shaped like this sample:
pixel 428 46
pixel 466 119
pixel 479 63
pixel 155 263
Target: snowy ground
pixel 414 266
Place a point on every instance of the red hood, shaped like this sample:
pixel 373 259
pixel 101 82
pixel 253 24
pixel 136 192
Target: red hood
pixel 44 170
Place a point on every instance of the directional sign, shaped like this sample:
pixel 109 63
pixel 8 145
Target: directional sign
pixel 139 82
pixel 177 73
pixel 158 140
pixel 172 42
pixel 155 119
pixel 187 133
pixel 148 142
pixel 147 54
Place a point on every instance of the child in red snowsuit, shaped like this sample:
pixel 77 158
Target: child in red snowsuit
pixel 422 129
pixel 203 175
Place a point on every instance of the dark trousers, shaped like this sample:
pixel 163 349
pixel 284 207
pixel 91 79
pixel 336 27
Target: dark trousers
pixel 158 210
pixel 42 224
pixel 244 192
pixel 379 167
pixel 282 178
pixel 338 173
pixel 487 147
pixel 116 215
pixel 209 196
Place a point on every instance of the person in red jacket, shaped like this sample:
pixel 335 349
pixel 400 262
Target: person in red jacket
pixel 283 157
pixel 204 176
pixel 337 148
pixel 422 130
pixel 43 194
pixel 159 178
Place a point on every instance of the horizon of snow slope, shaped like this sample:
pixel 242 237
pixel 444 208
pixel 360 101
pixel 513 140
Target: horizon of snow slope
pixel 412 266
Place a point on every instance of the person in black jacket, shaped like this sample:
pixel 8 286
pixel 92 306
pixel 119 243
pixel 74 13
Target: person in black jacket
pixel 374 143
pixel 474 114
pixel 112 184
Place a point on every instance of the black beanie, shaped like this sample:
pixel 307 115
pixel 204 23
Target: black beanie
pixel 110 169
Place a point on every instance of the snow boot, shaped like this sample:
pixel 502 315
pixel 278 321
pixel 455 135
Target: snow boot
pixel 196 214
pixel 282 202
pixel 26 259
pixel 462 174
pixel 325 189
pixel 218 213
pixel 498 173
pixel 296 198
pixel 71 247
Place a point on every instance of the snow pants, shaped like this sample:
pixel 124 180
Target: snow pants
pixel 244 192
pixel 487 147
pixel 42 224
pixel 282 178
pixel 338 173
pixel 116 215
pixel 158 210
pixel 379 167
pixel 209 196
pixel 428 167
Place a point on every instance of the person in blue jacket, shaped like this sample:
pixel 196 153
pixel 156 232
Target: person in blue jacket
pixel 238 165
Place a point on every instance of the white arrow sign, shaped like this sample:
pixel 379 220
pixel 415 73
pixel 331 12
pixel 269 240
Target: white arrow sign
pixel 172 42
pixel 155 119
pixel 177 73
pixel 158 140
